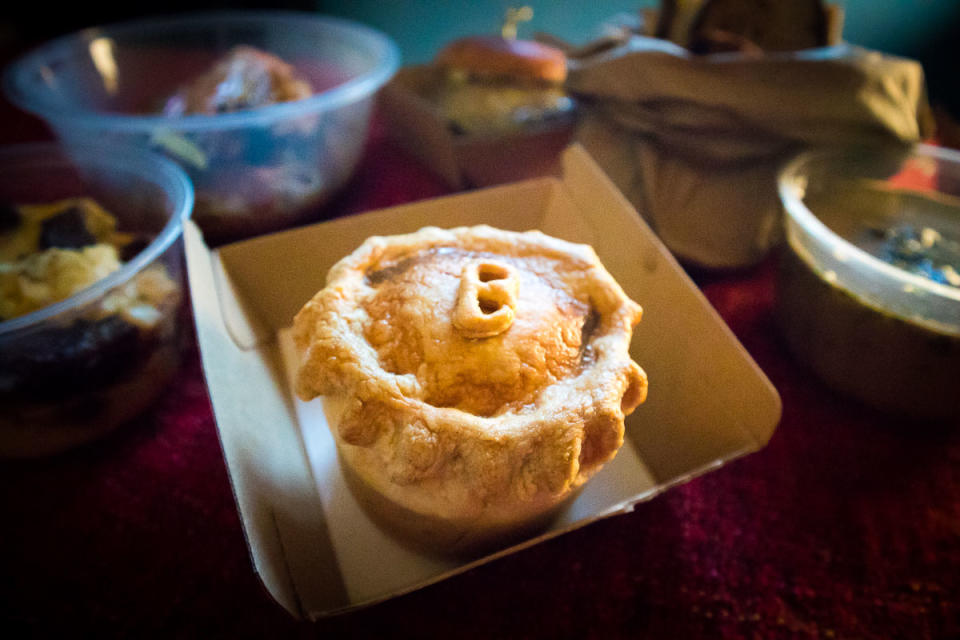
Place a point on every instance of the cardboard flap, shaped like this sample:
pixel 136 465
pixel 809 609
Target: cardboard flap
pixel 242 321
pixel 688 441
pixel 272 483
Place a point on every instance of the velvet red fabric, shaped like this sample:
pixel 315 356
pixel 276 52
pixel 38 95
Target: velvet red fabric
pixel 847 525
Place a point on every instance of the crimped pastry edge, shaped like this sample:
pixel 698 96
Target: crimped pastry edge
pixel 495 473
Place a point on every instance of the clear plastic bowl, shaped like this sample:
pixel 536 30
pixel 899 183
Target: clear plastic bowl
pixel 864 291
pixel 76 369
pixel 253 171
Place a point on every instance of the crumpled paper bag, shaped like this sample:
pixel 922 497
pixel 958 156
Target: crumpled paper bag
pixel 696 143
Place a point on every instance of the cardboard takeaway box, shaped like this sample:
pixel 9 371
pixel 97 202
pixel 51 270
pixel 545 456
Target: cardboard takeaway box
pixel 466 160
pixel 311 545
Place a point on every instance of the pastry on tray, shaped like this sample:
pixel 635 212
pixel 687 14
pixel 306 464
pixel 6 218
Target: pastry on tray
pixel 474 379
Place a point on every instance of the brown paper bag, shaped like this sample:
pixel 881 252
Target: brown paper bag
pixel 696 142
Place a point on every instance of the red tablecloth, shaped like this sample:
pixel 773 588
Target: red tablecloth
pixel 847 525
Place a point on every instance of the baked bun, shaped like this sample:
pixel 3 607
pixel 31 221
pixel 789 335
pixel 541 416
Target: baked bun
pixel 491 86
pixel 474 379
pixel 497 57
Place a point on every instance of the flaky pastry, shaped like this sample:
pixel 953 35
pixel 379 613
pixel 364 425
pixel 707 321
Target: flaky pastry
pixel 473 378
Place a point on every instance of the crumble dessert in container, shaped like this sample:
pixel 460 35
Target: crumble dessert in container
pixel 91 291
pixel 474 379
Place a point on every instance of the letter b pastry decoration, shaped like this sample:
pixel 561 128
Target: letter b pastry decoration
pixel 487 299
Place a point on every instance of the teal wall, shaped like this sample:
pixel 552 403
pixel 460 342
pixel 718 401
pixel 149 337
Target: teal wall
pixel 907 27
pixel 420 27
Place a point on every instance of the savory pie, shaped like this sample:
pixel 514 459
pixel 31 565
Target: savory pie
pixel 473 378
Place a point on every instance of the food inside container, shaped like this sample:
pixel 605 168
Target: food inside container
pixel 91 292
pixel 868 294
pixel 245 78
pixel 267 111
pixel 474 379
pixel 246 195
pixel 50 251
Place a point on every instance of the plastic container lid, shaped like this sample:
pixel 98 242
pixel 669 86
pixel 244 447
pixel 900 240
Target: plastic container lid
pixel 838 206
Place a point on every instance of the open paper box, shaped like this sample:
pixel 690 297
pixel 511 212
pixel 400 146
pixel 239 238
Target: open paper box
pixel 465 160
pixel 314 550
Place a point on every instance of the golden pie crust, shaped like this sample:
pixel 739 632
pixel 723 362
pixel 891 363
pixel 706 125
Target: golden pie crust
pixel 473 378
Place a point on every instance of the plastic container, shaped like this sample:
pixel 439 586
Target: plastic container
pixel 254 171
pixel 76 369
pixel 868 294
